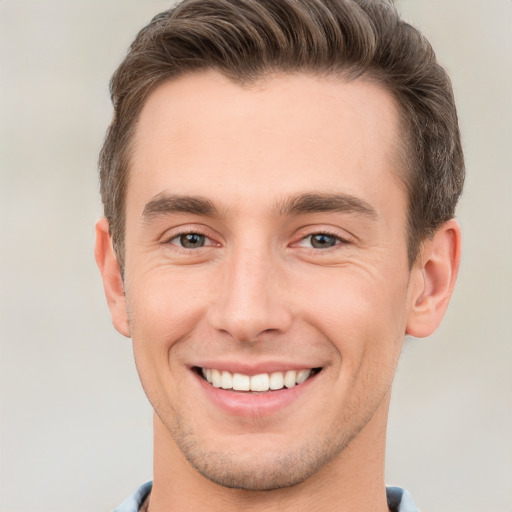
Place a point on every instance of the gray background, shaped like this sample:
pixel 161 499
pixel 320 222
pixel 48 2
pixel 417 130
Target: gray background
pixel 75 426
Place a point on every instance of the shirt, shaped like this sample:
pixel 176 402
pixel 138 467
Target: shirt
pixel 399 500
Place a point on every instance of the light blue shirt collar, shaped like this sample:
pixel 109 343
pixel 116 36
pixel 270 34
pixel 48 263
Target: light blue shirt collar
pixel 399 500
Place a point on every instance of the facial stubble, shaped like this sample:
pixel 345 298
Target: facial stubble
pixel 271 469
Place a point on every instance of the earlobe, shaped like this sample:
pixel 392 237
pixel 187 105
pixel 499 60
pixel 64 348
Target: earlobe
pixel 435 274
pixel 111 275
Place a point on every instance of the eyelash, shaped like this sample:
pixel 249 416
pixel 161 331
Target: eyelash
pixel 185 233
pixel 338 240
pixel 208 242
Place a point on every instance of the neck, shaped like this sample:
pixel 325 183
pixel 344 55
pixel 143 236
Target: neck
pixel 352 482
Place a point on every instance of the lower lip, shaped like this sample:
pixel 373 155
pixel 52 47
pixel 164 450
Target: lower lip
pixel 254 404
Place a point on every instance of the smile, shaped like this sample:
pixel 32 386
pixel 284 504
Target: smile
pixel 258 383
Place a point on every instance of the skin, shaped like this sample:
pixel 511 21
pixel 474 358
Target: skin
pixel 258 294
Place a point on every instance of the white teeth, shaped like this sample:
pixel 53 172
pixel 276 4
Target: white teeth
pixel 302 376
pixel 276 380
pixel 226 380
pixel 216 378
pixel 241 382
pixel 260 382
pixel 289 378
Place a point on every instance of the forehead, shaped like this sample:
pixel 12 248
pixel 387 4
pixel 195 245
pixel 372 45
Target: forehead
pixel 204 135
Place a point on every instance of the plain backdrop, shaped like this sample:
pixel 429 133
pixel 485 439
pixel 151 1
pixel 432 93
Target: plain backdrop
pixel 75 425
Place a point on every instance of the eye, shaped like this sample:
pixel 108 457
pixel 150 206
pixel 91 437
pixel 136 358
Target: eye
pixel 190 240
pixel 320 241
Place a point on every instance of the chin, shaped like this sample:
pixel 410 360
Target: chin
pixel 275 472
pixel 262 469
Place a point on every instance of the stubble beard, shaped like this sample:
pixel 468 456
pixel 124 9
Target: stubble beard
pixel 266 471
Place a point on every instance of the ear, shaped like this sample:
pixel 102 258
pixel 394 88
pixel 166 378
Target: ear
pixel 433 280
pixel 106 260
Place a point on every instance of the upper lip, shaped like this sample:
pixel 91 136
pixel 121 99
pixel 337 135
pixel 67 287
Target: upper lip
pixel 254 368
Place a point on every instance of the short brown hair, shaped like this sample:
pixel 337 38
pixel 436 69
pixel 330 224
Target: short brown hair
pixel 247 39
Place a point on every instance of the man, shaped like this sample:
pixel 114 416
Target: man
pixel 279 183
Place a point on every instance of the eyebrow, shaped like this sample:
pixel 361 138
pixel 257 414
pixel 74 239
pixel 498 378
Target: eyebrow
pixel 325 202
pixel 164 204
pixel 300 204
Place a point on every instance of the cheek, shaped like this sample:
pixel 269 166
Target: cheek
pixel 164 306
pixel 363 315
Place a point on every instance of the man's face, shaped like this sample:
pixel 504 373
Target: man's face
pixel 266 243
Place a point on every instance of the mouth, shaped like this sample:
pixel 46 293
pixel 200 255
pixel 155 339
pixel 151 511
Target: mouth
pixel 260 383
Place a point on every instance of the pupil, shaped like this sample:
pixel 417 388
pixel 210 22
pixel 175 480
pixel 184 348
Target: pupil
pixel 192 240
pixel 322 241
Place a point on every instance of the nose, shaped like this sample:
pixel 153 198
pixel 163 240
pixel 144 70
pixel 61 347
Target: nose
pixel 252 296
